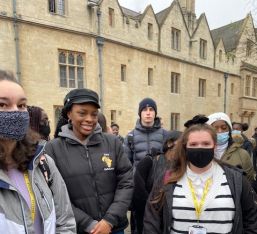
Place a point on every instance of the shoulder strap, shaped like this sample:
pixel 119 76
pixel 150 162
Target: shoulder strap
pixel 131 141
pixel 44 168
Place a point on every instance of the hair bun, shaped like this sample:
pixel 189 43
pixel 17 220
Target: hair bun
pixel 198 119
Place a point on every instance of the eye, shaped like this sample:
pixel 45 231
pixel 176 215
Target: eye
pixel 81 114
pixel 22 106
pixel 94 115
pixel 192 144
pixel 3 105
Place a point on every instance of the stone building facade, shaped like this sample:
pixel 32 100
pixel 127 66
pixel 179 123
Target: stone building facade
pixel 171 56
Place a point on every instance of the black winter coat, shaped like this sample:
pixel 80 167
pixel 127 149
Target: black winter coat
pixel 158 220
pixel 98 176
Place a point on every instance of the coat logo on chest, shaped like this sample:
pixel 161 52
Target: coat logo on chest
pixel 108 161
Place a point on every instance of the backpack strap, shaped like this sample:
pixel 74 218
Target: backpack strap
pixel 131 144
pixel 131 141
pixel 44 168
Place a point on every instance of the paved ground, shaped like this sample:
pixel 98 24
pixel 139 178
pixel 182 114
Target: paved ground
pixel 127 230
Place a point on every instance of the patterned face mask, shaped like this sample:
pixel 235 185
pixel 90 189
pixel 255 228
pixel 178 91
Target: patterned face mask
pixel 14 124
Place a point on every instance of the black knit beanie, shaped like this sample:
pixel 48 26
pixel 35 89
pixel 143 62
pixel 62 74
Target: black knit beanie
pixel 147 102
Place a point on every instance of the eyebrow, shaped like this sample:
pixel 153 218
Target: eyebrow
pixel 21 99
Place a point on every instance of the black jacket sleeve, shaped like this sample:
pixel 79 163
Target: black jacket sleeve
pixel 249 208
pixel 141 178
pixel 152 219
pixel 124 189
pixel 83 220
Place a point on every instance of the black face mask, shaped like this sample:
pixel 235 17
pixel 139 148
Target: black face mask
pixel 200 157
pixel 44 130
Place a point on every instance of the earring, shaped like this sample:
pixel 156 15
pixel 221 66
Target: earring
pixel 69 124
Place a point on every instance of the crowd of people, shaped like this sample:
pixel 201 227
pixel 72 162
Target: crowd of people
pixel 86 179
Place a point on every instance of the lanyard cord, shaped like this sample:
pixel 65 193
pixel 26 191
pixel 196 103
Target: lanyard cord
pixel 199 206
pixel 31 195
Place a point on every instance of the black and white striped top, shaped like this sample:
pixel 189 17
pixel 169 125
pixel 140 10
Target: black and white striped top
pixel 218 210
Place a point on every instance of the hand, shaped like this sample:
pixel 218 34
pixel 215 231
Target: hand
pixel 102 227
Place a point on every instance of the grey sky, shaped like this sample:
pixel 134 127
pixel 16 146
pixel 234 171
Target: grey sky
pixel 218 12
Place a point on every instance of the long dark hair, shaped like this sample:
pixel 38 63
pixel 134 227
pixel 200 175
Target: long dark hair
pixel 35 116
pixel 63 119
pixel 25 148
pixel 181 160
pixel 102 121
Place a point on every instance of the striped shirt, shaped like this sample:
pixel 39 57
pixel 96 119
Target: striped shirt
pixel 218 210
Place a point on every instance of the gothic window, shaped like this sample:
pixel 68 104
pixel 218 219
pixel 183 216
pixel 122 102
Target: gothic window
pixel 220 56
pixel 219 90
pixel 232 88
pixel 113 116
pixel 111 17
pixel 202 88
pixel 247 85
pixel 254 92
pixel 56 6
pixel 174 121
pixel 175 82
pixel 150 76
pixel 150 31
pixel 203 49
pixel 123 69
pixel 249 48
pixel 175 39
pixel 71 69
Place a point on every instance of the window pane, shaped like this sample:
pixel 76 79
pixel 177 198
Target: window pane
pixel 60 7
pixel 150 76
pixel 247 85
pixel 111 17
pixel 150 31
pixel 71 58
pixel 72 77
pixel 80 77
pixel 63 76
pixel 123 72
pixel 62 57
pixel 51 6
pixel 79 60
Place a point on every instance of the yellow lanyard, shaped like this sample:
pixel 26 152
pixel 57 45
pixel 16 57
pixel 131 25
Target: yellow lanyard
pixel 31 195
pixel 199 206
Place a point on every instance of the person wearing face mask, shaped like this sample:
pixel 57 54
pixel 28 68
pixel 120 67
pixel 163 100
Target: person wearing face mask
pixel 155 167
pixel 239 128
pixel 29 203
pixel 228 151
pixel 201 195
pixel 39 122
pixel 98 174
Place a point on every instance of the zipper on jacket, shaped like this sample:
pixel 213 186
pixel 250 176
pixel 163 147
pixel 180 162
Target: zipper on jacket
pixel 23 215
pixel 43 196
pixel 39 208
pixel 94 182
pixel 148 145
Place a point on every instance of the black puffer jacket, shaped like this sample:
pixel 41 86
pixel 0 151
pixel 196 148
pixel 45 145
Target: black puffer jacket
pixel 144 139
pixel 98 176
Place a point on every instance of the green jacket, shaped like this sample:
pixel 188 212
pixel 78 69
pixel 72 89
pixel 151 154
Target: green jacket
pixel 239 157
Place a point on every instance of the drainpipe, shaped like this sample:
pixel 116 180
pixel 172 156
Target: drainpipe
pixel 16 40
pixel 225 92
pixel 100 44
